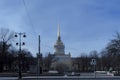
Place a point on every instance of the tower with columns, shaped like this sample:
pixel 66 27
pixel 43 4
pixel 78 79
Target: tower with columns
pixel 59 46
pixel 60 56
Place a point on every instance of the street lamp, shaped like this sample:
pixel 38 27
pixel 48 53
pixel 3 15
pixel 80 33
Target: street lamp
pixel 20 54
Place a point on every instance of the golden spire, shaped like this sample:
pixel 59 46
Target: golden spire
pixel 58 34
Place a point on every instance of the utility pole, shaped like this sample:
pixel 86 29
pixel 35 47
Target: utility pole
pixel 20 54
pixel 39 44
pixel 38 55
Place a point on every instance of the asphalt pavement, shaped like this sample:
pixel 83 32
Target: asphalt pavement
pixel 82 76
pixel 63 78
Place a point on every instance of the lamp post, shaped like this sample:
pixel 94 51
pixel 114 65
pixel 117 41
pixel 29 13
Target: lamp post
pixel 20 54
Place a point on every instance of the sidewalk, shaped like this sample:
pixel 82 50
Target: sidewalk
pixel 8 78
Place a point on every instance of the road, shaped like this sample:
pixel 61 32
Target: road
pixel 63 78
pixel 82 76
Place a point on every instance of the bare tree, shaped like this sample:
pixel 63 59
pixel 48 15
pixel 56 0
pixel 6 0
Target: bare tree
pixel 6 36
pixel 111 54
pixel 93 54
pixel 47 61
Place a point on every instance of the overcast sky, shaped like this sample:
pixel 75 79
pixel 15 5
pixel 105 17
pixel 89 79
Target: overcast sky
pixel 85 25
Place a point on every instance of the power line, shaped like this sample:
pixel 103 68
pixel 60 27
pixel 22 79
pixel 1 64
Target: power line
pixel 29 17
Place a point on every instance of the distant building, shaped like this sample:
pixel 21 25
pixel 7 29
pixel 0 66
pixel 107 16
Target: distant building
pixel 59 54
